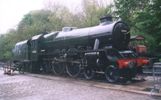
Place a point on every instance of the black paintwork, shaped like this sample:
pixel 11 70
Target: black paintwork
pixel 21 51
pixel 108 35
pixel 113 34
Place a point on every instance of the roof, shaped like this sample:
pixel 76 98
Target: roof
pixel 36 37
pixel 50 34
pixel 21 42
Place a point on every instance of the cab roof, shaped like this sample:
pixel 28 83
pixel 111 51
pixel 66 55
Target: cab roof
pixel 21 42
pixel 36 37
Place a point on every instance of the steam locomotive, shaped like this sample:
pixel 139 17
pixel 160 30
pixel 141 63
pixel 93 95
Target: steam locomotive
pixel 91 50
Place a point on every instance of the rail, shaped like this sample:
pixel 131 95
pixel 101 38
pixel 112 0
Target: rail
pixel 156 77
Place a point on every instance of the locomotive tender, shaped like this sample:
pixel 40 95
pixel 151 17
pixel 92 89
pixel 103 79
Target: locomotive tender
pixel 98 49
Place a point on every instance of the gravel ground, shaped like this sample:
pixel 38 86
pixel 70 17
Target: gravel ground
pixel 27 87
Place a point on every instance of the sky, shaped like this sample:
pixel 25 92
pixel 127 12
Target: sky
pixel 12 11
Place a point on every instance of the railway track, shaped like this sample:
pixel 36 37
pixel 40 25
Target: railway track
pixel 135 86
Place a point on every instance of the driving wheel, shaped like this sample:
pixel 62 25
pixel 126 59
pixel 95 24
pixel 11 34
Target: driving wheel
pixel 73 69
pixel 58 68
pixel 89 73
pixel 112 74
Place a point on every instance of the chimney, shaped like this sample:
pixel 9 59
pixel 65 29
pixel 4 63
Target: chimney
pixel 106 20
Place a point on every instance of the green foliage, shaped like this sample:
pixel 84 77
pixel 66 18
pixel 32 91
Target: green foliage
pixel 93 11
pixel 129 9
pixel 144 16
pixel 7 42
pixel 51 18
pixel 34 23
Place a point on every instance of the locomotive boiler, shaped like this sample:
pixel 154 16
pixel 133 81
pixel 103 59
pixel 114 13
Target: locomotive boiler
pixel 98 49
pixel 108 33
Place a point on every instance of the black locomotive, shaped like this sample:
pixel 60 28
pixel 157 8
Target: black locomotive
pixel 98 49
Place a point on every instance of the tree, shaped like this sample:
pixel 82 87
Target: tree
pixel 52 18
pixel 128 9
pixel 7 42
pixel 34 23
pixel 144 17
pixel 93 10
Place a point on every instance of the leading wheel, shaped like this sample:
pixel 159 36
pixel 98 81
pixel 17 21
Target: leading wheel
pixel 58 68
pixel 112 74
pixel 89 73
pixel 73 69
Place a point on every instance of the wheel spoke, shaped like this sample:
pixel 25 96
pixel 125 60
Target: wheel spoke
pixel 89 73
pixel 73 69
pixel 112 74
pixel 58 68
